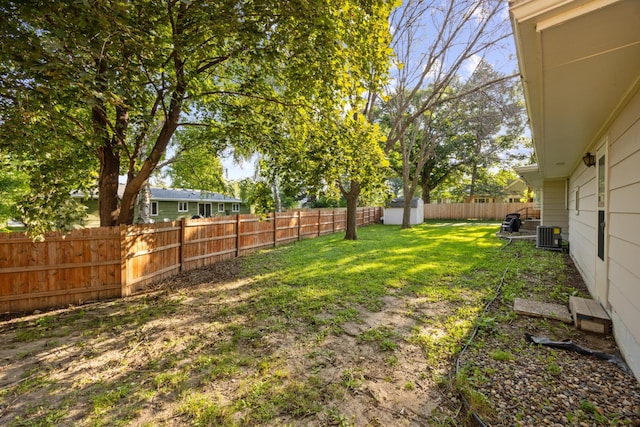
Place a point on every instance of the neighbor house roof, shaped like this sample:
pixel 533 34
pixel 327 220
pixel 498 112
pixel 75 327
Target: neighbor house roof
pixel 173 194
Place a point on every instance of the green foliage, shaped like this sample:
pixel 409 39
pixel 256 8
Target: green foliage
pixel 108 84
pixel 197 166
pixel 501 355
pixel 13 186
pixel 258 195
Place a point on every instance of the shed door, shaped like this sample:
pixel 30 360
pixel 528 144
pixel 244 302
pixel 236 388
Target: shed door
pixel 602 282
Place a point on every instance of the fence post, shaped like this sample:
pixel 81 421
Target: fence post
pixel 124 287
pixel 319 220
pixel 237 235
pixel 333 221
pixel 182 238
pixel 275 228
pixel 299 224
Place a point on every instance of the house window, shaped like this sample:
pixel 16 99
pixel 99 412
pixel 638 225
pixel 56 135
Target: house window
pixel 183 206
pixel 154 208
pixel 204 210
pixel 220 207
pixel 235 207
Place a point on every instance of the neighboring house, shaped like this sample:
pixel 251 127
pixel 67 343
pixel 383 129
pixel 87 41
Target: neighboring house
pixel 394 211
pixel 580 66
pixel 168 204
pixel 513 192
pixel 516 191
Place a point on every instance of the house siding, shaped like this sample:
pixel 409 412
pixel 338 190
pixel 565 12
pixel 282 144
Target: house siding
pixel 623 229
pixel 582 241
pixel 167 210
pixel 554 211
pixel 92 219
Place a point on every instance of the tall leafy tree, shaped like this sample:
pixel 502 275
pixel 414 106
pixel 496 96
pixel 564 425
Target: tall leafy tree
pixel 433 41
pixel 112 81
pixel 494 117
pixel 332 147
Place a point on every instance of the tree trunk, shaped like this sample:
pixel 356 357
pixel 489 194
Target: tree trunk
pixel 426 192
pixel 408 191
pixel 276 194
pixel 127 207
pixel 108 186
pixel 406 213
pixel 352 210
pixel 108 210
pixel 472 187
pixel 144 204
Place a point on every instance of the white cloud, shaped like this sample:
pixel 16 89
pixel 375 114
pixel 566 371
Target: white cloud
pixel 469 66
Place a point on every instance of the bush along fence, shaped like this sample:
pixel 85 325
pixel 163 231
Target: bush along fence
pixel 109 262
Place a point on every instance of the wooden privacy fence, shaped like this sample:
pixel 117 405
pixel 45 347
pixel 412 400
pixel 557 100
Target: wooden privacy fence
pixel 497 211
pixel 109 262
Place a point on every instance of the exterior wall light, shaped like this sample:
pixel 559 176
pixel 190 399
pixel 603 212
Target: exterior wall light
pixel 589 160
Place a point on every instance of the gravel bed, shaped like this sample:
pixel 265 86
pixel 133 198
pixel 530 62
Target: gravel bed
pixel 532 385
pixel 511 382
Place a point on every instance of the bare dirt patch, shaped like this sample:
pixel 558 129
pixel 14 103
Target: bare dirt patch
pixel 139 361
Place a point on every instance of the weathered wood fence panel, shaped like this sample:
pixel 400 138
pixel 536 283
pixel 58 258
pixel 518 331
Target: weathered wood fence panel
pixel 82 265
pixel 151 253
pixel 103 263
pixel 207 241
pixel 287 227
pixel 340 219
pixel 493 211
pixel 256 233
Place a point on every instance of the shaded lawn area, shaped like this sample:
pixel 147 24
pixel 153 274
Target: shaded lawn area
pixel 321 332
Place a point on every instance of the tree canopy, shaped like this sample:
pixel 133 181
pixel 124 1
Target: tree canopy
pixel 108 83
pixel 434 43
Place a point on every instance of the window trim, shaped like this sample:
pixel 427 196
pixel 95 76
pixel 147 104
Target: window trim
pixel 220 205
pixel 157 208
pixel 235 207
pixel 185 205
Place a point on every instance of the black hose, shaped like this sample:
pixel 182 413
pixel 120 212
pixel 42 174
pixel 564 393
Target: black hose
pixel 475 417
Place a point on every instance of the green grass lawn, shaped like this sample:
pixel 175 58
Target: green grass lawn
pixel 268 348
pixel 437 261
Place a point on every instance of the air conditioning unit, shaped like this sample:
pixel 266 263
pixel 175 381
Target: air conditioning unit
pixel 548 237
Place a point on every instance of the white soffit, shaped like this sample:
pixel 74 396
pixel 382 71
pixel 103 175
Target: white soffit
pixel 579 60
